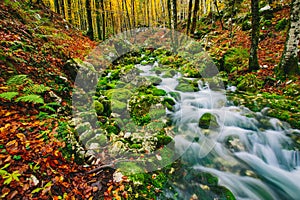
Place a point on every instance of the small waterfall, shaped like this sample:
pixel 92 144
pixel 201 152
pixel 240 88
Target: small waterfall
pixel 250 153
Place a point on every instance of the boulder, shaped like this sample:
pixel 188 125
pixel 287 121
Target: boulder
pixel 208 120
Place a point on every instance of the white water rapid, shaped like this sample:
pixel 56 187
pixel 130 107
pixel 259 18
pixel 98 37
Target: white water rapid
pixel 250 153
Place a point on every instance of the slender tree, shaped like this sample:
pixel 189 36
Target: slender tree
pixel 174 14
pixel 253 59
pixel 189 17
pixel 169 8
pixel 90 31
pixel 103 19
pixel 289 60
pixel 195 15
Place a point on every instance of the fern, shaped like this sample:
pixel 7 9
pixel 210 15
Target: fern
pixel 18 80
pixel 46 107
pixel 8 95
pixel 32 98
pixel 36 89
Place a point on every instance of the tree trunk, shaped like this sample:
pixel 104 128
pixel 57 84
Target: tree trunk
pixel 90 32
pixel 253 59
pixel 194 20
pixel 112 18
pixel 133 13
pixel 174 14
pixel 69 10
pixel 98 19
pixel 56 5
pixel 219 14
pixel 169 13
pixel 103 18
pixel 289 60
pixel 189 17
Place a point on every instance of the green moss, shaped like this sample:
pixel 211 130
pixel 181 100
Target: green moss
pixel 98 107
pixel 130 167
pixel 135 146
pixel 281 24
pixel 158 92
pixel 175 95
pixel 169 74
pixel 208 120
pixel 120 94
pixel 163 140
pixel 235 59
pixel 155 80
pixel 99 139
pixel 118 106
pixel 184 87
pixel 249 83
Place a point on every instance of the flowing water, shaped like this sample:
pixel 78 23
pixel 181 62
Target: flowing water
pixel 250 153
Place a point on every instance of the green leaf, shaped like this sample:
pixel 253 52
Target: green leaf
pixel 36 190
pixel 8 95
pixel 32 98
pixel 3 172
pixel 15 175
pixel 8 180
pixel 17 157
pixel 48 184
pixel 6 166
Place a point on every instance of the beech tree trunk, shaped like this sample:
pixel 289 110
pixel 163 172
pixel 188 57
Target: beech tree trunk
pixel 253 59
pixel 289 60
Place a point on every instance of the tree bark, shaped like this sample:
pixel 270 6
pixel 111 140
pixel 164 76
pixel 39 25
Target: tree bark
pixel 289 60
pixel 174 14
pixel 90 32
pixel 253 59
pixel 103 19
pixel 169 13
pixel 189 17
pixel 195 14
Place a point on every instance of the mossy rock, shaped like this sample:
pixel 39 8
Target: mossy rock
pixel 106 104
pixel 98 107
pixel 155 80
pixel 118 106
pixel 169 101
pixel 169 74
pixel 175 95
pixel 157 113
pixel 163 140
pixel 83 127
pixel 208 120
pixel 100 139
pixel 158 92
pixel 184 87
pixel 119 94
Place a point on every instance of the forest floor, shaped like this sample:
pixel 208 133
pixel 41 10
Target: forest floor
pixel 37 42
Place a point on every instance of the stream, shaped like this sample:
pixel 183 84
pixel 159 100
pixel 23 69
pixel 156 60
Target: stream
pixel 250 153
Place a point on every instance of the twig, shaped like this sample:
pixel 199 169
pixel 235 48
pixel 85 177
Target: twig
pixel 100 168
